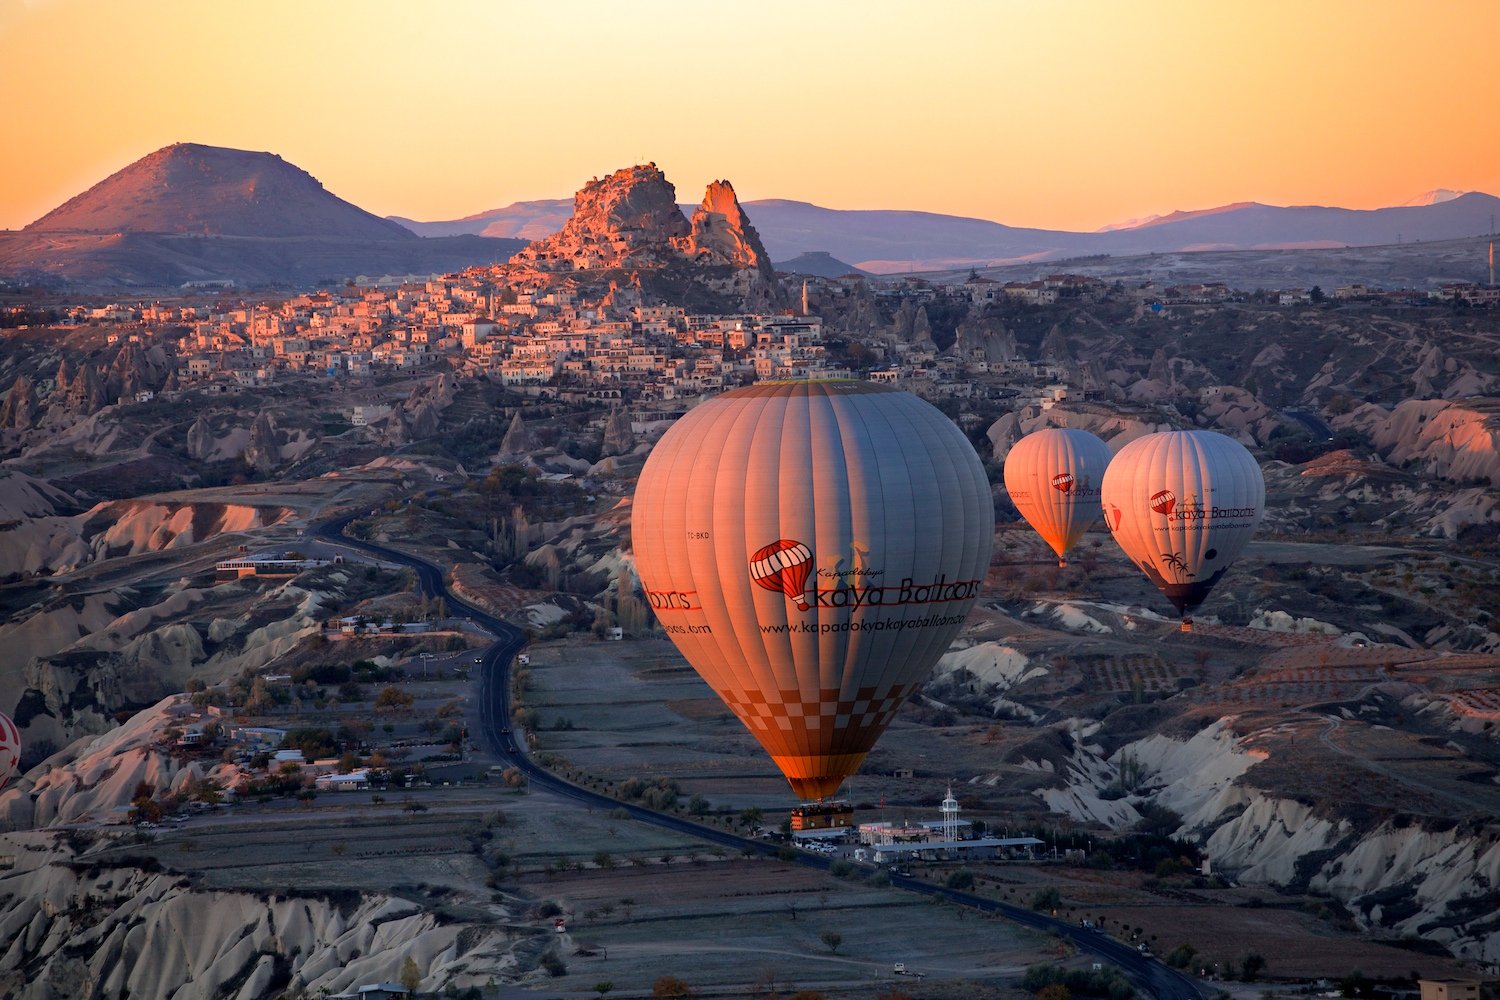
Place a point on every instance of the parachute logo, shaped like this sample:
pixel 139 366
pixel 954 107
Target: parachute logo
pixel 1113 516
pixel 783 568
pixel 1163 501
pixel 1063 482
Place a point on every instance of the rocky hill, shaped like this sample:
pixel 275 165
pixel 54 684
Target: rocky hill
pixel 631 219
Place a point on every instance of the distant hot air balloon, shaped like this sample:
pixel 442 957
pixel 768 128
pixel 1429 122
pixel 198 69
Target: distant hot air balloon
pixel 1053 477
pixel 10 749
pixel 1183 505
pixel 812 548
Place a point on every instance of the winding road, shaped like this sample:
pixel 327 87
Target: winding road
pixel 1146 974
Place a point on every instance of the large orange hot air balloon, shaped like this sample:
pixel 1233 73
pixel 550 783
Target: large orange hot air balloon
pixel 10 749
pixel 1053 478
pixel 1183 505
pixel 812 548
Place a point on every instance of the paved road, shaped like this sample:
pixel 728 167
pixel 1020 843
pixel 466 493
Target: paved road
pixel 1149 976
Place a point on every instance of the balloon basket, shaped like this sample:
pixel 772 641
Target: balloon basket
pixel 1186 626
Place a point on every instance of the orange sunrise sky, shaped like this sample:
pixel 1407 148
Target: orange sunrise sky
pixel 1057 114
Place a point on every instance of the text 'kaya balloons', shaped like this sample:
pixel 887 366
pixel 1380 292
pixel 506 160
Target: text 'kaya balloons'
pixel 812 548
pixel 1053 477
pixel 1183 505
pixel 10 749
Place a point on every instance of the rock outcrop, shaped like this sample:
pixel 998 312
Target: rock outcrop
pixel 722 233
pixel 628 218
pixel 200 440
pixel 77 929
pixel 517 443
pixel 19 410
pixel 1400 879
pixel 618 439
pixel 1453 440
pixel 263 452
pixel 631 219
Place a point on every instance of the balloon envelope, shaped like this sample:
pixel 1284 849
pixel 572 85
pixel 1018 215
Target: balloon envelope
pixel 1053 477
pixel 812 548
pixel 10 749
pixel 1183 505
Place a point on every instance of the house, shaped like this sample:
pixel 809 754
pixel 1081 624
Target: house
pixel 1449 989
pixel 354 781
pixel 376 991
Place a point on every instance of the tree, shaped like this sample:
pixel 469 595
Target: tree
pixel 961 879
pixel 670 988
pixel 1046 899
pixel 1057 991
pixel 832 939
pixel 603 988
pixel 393 698
pixel 750 818
pixel 411 976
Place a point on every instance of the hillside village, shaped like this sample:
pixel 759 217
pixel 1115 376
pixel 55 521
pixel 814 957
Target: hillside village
pixel 554 342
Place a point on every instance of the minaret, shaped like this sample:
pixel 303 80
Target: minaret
pixel 1492 279
pixel 1492 273
pixel 950 817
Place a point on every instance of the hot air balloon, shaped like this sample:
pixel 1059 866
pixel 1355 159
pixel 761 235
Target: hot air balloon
pixel 812 548
pixel 1053 477
pixel 10 749
pixel 1183 505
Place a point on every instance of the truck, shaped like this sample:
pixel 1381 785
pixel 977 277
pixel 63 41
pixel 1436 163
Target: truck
pixel 902 970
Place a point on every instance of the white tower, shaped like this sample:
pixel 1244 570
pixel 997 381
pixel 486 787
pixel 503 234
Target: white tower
pixel 950 817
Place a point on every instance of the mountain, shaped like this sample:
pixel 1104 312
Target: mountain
pixel 524 220
pixel 891 241
pixel 1252 226
pixel 817 264
pixel 193 213
pixel 1434 197
pixel 211 191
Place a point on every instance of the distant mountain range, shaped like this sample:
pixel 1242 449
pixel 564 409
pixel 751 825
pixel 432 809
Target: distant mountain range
pixel 193 213
pixel 886 241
